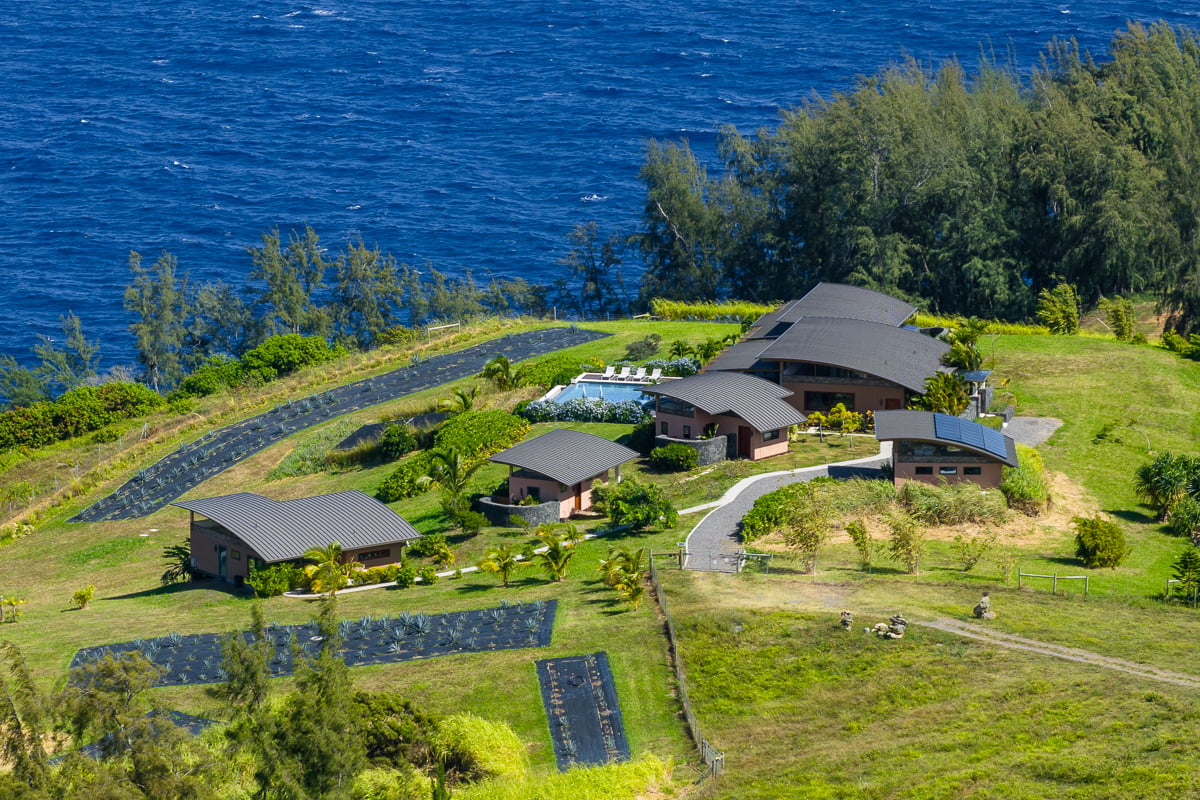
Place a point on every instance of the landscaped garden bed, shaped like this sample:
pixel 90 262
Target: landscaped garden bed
pixel 581 706
pixel 196 658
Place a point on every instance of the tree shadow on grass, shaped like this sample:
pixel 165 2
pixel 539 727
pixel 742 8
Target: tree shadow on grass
pixel 1066 561
pixel 177 588
pixel 1135 517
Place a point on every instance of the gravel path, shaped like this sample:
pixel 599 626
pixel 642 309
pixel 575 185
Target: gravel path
pixel 713 544
pixel 217 451
pixel 1032 431
pixel 1014 642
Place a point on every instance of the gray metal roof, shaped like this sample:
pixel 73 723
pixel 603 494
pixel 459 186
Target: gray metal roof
pixel 837 300
pixel 895 354
pixel 926 426
pixel 566 456
pixel 285 530
pixel 849 302
pixel 740 356
pixel 757 401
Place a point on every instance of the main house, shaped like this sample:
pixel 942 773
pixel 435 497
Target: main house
pixel 839 344
pixel 932 448
pixel 235 533
pixel 750 412
pixel 561 466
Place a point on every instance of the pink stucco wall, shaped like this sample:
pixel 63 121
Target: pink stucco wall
pixel 726 426
pixel 519 485
pixel 866 397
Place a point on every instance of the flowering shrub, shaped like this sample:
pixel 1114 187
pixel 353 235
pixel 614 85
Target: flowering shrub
pixel 585 409
pixel 675 367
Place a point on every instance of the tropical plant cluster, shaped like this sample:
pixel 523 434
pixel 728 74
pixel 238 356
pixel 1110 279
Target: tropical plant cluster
pixel 970 193
pixel 83 409
pixel 636 504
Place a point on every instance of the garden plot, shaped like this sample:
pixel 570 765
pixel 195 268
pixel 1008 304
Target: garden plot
pixel 196 658
pixel 192 464
pixel 581 706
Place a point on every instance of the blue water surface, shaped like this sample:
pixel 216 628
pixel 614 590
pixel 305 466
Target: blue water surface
pixel 465 135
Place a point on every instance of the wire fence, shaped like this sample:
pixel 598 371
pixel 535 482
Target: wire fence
pixel 714 759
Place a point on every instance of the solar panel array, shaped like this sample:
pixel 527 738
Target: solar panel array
pixel 972 434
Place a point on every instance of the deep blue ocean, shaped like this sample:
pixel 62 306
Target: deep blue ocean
pixel 466 135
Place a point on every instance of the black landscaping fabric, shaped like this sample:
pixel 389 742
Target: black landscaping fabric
pixel 581 706
pixel 367 434
pixel 213 453
pixel 196 658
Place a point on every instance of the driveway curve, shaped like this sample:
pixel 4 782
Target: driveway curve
pixel 713 544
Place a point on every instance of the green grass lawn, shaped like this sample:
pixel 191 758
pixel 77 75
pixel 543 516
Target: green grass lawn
pixel 804 709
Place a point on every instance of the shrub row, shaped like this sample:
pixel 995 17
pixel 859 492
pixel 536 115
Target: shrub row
pixel 78 411
pixel 729 310
pixel 1026 487
pixel 584 409
pixel 674 458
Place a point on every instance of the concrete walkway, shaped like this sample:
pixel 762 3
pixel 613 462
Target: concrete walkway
pixel 713 544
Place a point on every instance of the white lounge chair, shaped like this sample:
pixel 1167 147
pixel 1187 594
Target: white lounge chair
pixel 656 375
pixel 609 372
pixel 624 376
pixel 640 375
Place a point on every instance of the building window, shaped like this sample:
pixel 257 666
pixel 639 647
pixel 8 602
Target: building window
pixel 824 401
pixel 972 470
pixel 371 555
pixel 687 431
pixel 666 428
pixel 947 470
pixel 236 555
pixel 770 436
pixel 924 470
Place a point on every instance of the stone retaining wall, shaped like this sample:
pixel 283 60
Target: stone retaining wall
pixel 499 513
pixel 710 451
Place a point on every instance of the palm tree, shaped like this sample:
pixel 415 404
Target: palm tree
pixel 179 563
pixel 327 573
pixel 681 349
pixel 501 560
pixel 460 401
pixel 621 563
pixel 500 372
pixel 557 556
pixel 450 471
pixel 1163 482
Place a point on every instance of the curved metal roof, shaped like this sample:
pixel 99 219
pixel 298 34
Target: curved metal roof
pixel 837 300
pixel 285 530
pixel 901 356
pixel 927 426
pixel 566 456
pixel 759 402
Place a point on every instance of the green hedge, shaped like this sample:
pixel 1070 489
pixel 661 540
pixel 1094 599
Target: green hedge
pixel 404 482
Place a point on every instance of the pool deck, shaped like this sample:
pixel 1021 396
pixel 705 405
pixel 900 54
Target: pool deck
pixel 601 379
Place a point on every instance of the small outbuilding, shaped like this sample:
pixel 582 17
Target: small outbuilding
pixel 749 411
pixel 235 533
pixel 932 448
pixel 561 466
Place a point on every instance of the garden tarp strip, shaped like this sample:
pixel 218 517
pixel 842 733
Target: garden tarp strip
pixel 192 464
pixel 582 709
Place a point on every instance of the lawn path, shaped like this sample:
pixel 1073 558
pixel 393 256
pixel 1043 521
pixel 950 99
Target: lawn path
pixel 713 544
pixel 214 452
pixel 1014 642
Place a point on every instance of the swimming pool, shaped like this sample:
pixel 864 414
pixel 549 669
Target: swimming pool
pixel 606 390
